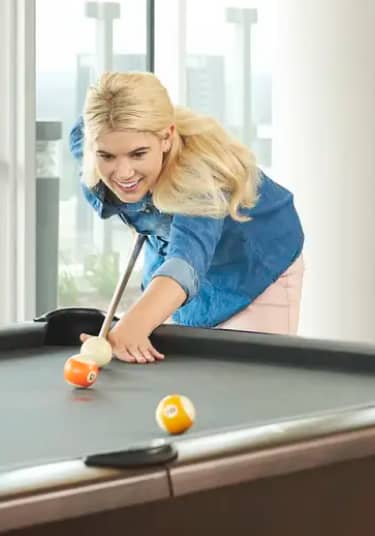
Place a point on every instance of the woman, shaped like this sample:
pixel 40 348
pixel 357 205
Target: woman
pixel 224 241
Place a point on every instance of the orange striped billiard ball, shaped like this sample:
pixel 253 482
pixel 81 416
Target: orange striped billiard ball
pixel 80 372
pixel 175 414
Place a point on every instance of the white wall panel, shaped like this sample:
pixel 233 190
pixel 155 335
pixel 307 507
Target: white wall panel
pixel 324 139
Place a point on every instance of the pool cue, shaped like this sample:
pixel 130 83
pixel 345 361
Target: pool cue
pixel 123 281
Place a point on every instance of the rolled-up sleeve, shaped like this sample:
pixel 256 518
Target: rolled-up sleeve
pixel 192 245
pixel 76 139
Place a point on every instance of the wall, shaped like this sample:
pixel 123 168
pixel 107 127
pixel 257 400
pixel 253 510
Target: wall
pixel 324 148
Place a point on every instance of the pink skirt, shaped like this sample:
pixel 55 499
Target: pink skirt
pixel 277 309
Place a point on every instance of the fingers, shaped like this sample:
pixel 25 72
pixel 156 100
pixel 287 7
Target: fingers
pixel 84 336
pixel 157 354
pixel 132 353
pixel 136 354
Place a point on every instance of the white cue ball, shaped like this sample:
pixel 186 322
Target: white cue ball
pixel 97 349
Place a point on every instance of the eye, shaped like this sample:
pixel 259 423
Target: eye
pixel 139 155
pixel 106 157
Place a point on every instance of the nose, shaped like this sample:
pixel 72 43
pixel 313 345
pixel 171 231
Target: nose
pixel 124 170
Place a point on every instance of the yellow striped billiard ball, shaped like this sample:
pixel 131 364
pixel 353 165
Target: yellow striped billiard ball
pixel 175 414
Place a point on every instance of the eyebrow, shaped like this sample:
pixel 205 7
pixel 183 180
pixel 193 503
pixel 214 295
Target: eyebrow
pixel 137 150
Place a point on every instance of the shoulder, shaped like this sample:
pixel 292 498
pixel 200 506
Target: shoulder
pixel 271 192
pixel 76 139
pixel 266 184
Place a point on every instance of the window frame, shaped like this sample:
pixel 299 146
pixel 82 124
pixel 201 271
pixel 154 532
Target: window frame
pixel 17 160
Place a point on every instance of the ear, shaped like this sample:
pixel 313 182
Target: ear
pixel 167 137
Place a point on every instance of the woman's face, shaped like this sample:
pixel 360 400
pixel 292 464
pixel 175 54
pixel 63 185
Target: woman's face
pixel 130 162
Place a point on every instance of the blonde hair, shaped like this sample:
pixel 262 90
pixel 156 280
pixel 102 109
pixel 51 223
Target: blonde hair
pixel 205 172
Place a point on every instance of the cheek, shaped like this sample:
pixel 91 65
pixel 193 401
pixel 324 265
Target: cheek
pixel 104 168
pixel 156 164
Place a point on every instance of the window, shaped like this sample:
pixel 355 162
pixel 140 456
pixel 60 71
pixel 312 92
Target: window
pixel 79 257
pixel 216 57
pixel 228 68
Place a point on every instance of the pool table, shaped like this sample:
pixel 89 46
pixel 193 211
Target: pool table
pixel 283 443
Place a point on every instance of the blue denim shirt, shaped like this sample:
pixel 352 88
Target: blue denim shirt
pixel 222 264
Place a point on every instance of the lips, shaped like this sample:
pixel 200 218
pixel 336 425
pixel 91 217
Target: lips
pixel 128 185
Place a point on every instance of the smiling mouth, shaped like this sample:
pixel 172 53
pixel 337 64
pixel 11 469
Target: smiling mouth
pixel 128 186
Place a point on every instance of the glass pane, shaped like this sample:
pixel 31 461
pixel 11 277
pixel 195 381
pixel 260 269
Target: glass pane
pixel 229 68
pixel 79 257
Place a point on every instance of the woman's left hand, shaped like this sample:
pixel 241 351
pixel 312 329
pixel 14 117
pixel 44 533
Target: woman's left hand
pixel 130 338
pixel 130 342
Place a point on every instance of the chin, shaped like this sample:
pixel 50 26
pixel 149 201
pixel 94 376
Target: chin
pixel 132 197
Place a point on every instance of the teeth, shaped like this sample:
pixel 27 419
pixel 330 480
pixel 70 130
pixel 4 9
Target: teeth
pixel 128 184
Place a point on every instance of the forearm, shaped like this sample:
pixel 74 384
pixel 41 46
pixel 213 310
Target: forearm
pixel 161 298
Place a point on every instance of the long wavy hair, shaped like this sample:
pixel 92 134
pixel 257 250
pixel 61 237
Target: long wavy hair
pixel 205 172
